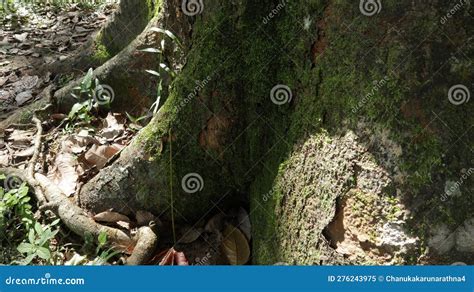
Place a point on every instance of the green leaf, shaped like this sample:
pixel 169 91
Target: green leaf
pixel 168 33
pixel 102 238
pixel 153 72
pixel 31 236
pixel 43 253
pixel 25 247
pixel 38 228
pixel 87 81
pixel 75 109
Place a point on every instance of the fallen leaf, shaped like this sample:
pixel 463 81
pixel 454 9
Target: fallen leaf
pixel 235 246
pixel 181 259
pixel 64 173
pixel 171 257
pixel 20 37
pixel 112 128
pixel 98 156
pixel 110 217
pixel 78 143
pixel 123 224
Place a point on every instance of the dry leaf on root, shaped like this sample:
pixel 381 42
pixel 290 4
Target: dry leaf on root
pixel 112 128
pixel 98 156
pixel 64 173
pixel 110 217
pixel 235 246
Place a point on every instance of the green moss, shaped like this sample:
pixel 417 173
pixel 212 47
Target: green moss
pixel 101 53
pixel 411 104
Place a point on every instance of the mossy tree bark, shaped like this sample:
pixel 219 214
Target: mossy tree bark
pixel 366 117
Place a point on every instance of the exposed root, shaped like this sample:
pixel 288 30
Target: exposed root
pixel 146 245
pixel 50 197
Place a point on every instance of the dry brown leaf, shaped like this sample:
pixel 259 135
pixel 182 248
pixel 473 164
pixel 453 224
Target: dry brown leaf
pixel 21 137
pixel 64 173
pixel 172 257
pixel 124 224
pixel 28 152
pixel 78 143
pixel 235 246
pixel 98 156
pixel 110 217
pixel 112 128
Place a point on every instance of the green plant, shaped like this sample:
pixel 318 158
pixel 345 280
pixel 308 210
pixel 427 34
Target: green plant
pixel 164 70
pixel 15 212
pixel 85 93
pixel 101 255
pixel 38 244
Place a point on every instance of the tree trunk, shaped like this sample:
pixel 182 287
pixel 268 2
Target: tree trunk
pixel 333 125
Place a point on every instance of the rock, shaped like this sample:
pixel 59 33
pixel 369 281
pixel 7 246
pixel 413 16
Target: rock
pixel 393 235
pixel 465 237
pixel 442 239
